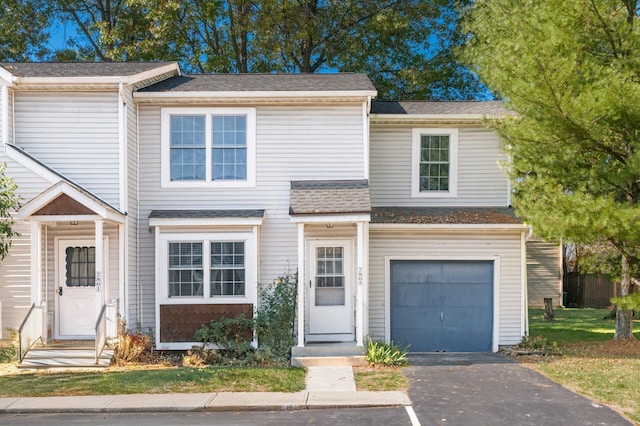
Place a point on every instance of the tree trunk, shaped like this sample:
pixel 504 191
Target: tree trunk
pixel 548 309
pixel 624 324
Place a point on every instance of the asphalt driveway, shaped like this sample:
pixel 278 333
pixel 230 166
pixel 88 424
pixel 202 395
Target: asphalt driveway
pixel 489 389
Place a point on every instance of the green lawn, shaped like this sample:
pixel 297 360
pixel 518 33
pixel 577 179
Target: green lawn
pixel 167 380
pixel 592 363
pixel 574 325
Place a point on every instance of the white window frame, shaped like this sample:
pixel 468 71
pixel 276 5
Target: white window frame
pixel 166 181
pixel 251 266
pixel 453 162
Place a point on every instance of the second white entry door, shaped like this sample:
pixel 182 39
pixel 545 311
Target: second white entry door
pixel 330 285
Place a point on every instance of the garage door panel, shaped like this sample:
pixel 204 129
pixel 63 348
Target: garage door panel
pixel 412 272
pixel 442 305
pixel 416 294
pixel 466 295
pixel 467 272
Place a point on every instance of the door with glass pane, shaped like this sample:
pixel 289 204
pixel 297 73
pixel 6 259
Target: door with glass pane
pixel 76 289
pixel 329 285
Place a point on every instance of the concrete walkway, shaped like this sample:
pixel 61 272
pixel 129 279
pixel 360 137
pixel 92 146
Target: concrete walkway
pixel 327 387
pixel 334 379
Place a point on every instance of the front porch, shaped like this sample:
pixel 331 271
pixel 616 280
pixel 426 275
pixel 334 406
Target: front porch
pixel 77 275
pixel 332 219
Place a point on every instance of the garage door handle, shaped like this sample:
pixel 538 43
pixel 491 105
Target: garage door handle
pixel 441 316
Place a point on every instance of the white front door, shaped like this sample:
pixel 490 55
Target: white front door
pixel 76 289
pixel 330 290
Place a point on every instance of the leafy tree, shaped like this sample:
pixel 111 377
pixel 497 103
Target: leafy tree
pixel 23 29
pixel 9 202
pixel 571 69
pixel 405 46
pixel 117 30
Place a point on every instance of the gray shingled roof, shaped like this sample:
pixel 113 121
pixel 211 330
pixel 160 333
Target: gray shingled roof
pixel 263 82
pixel 329 197
pixel 79 69
pixel 439 107
pixel 445 215
pixel 205 214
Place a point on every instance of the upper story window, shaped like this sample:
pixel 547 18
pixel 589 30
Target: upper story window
pixel 434 164
pixel 208 147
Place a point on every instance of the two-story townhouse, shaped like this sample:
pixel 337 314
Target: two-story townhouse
pixel 171 197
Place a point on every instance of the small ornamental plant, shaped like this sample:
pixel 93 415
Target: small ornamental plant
pixel 380 353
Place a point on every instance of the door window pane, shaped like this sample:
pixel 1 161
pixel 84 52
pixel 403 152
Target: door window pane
pixel 330 279
pixel 80 266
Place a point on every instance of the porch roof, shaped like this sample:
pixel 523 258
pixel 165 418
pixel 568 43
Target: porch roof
pixel 58 177
pixel 204 214
pixel 445 215
pixel 68 201
pixel 246 217
pixel 329 197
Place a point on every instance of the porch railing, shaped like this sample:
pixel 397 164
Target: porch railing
pixel 101 332
pixel 31 330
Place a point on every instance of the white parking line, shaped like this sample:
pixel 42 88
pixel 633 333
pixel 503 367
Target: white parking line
pixel 412 415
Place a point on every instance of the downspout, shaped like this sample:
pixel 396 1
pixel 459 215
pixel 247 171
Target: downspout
pixel 124 207
pixel 139 304
pixel 525 235
pixel 5 118
pixel 366 108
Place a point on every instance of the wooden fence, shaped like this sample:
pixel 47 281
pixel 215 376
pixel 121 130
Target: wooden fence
pixel 589 290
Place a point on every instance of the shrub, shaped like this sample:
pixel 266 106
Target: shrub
pixel 539 344
pixel 131 348
pixel 9 353
pixel 231 336
pixel 275 318
pixel 387 354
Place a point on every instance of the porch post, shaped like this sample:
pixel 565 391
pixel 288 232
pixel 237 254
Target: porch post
pixel 360 274
pixel 99 266
pixel 301 285
pixel 36 263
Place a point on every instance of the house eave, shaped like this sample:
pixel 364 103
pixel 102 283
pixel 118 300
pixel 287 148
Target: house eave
pixel 198 222
pixel 431 118
pixel 331 218
pixel 459 227
pixel 279 96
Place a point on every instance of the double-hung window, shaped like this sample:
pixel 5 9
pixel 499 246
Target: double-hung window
pixel 208 147
pixel 434 162
pixel 220 263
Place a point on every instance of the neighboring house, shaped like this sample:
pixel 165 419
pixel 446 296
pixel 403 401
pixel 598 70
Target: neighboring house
pixel 170 198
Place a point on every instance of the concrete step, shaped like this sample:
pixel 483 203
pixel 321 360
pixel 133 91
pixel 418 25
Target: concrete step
pixel 327 361
pixel 65 358
pixel 330 350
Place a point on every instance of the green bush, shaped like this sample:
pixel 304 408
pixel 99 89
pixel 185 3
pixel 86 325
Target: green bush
pixel 232 338
pixel 388 354
pixel 275 318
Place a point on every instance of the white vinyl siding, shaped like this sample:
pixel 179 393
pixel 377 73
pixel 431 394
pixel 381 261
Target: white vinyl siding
pixel 292 143
pixel 75 133
pixel 15 269
pixel 481 181
pixel 544 272
pixel 442 246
